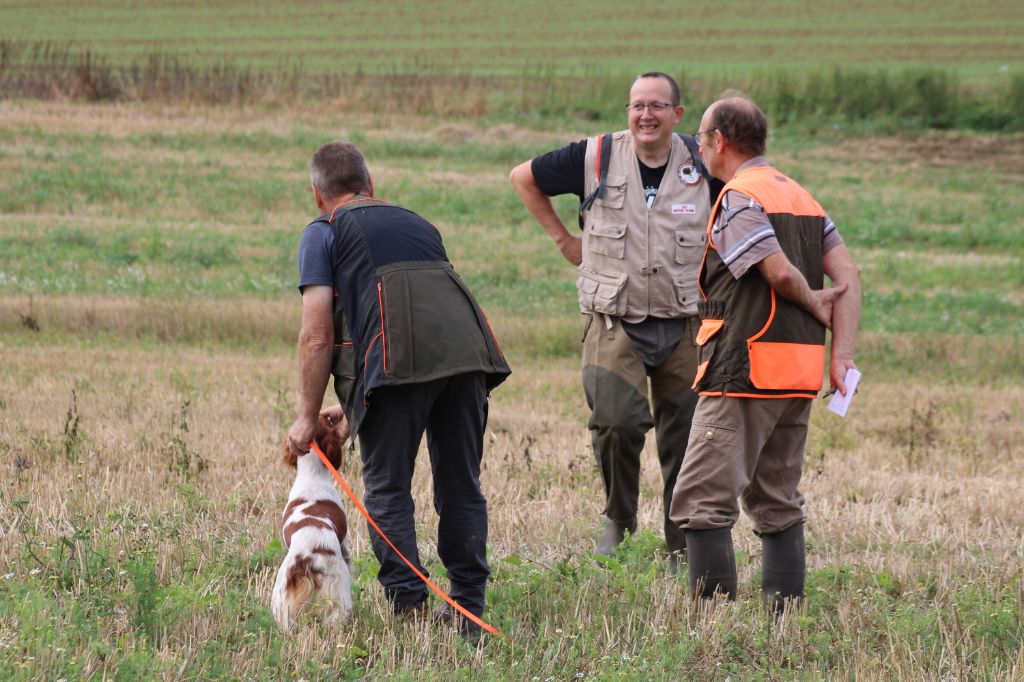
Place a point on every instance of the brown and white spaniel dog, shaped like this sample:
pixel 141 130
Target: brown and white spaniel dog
pixel 315 532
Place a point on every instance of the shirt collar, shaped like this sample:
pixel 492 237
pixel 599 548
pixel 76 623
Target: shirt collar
pixel 755 162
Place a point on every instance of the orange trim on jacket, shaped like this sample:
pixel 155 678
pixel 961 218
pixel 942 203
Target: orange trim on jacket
pixel 354 200
pixel 768 322
pixel 383 336
pixel 772 396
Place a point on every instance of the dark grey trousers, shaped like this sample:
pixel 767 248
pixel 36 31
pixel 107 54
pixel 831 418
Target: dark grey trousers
pixel 453 413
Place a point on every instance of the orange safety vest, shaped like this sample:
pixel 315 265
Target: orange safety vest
pixel 754 343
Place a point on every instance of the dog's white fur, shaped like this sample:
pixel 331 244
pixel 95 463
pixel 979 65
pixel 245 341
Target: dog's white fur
pixel 315 530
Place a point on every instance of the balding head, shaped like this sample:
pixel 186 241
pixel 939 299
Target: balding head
pixel 741 123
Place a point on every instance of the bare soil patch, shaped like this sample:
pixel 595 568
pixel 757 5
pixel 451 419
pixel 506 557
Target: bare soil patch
pixel 998 153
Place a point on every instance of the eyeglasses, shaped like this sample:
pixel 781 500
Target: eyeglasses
pixel 656 107
pixel 696 135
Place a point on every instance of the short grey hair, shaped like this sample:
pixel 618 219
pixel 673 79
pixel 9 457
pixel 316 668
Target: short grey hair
pixel 338 168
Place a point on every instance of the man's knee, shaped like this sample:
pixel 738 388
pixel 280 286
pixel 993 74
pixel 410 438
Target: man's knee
pixel 613 390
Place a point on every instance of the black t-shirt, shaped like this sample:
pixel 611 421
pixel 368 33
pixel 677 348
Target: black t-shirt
pixel 651 179
pixel 562 172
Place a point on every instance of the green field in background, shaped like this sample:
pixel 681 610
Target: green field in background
pixel 980 40
pixel 217 215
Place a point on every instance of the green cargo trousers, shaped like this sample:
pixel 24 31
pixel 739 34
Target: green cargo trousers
pixel 615 381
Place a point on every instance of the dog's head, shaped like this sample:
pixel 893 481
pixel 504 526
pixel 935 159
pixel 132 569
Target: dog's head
pixel 328 438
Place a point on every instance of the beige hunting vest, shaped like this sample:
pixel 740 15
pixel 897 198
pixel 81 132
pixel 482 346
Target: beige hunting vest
pixel 640 262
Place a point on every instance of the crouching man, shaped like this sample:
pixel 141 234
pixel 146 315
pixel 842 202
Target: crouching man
pixel 420 357
pixel 763 313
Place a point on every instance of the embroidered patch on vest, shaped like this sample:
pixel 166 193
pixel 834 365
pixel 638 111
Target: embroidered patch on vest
pixel 688 173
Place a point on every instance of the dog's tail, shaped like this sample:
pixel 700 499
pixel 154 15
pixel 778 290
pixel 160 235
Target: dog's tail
pixel 302 581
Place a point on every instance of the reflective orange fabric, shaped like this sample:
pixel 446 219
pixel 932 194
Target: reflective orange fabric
pixel 701 369
pixel 774 191
pixel 787 366
pixel 708 329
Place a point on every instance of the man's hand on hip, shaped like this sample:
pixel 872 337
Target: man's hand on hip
pixel 571 249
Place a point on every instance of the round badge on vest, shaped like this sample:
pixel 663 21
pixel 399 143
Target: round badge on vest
pixel 688 173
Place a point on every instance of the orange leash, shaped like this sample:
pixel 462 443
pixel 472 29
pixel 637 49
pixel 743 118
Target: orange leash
pixel 362 510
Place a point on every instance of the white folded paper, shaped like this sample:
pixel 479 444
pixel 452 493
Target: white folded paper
pixel 840 403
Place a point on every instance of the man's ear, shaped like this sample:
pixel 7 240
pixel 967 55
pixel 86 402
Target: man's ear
pixel 371 186
pixel 318 198
pixel 721 141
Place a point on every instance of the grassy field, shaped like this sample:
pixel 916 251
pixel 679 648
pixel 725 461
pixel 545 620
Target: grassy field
pixel 148 317
pixel 879 65
pixel 978 39
pixel 147 323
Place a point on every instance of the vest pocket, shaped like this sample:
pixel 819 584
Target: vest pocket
pixel 707 339
pixel 600 293
pixel 689 249
pixel 614 192
pixel 687 293
pixel 607 239
pixel 709 329
pixel 786 366
pixel 343 364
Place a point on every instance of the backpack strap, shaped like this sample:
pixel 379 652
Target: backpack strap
pixel 714 184
pixel 604 155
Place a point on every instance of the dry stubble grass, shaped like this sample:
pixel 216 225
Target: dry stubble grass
pixel 939 505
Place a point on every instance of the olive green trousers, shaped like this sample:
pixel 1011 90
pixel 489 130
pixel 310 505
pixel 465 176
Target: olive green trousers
pixel 621 392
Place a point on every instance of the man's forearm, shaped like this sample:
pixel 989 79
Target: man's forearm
pixel 315 356
pixel 788 282
pixel 538 204
pixel 841 269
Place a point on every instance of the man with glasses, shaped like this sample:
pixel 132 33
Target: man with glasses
pixel 643 217
pixel 764 311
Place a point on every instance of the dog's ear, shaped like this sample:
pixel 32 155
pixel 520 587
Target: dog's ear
pixel 329 440
pixel 289 457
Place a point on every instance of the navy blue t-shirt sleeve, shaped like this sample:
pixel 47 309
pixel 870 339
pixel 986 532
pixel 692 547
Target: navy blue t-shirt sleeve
pixel 316 256
pixel 561 171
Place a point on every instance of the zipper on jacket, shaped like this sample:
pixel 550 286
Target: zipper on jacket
pixel 383 336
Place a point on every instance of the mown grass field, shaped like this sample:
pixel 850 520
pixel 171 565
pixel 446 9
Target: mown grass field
pixel 148 317
pixel 977 39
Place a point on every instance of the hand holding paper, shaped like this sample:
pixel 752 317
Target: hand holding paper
pixel 840 403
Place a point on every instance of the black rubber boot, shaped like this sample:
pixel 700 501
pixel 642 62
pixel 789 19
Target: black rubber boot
pixel 712 563
pixel 784 567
